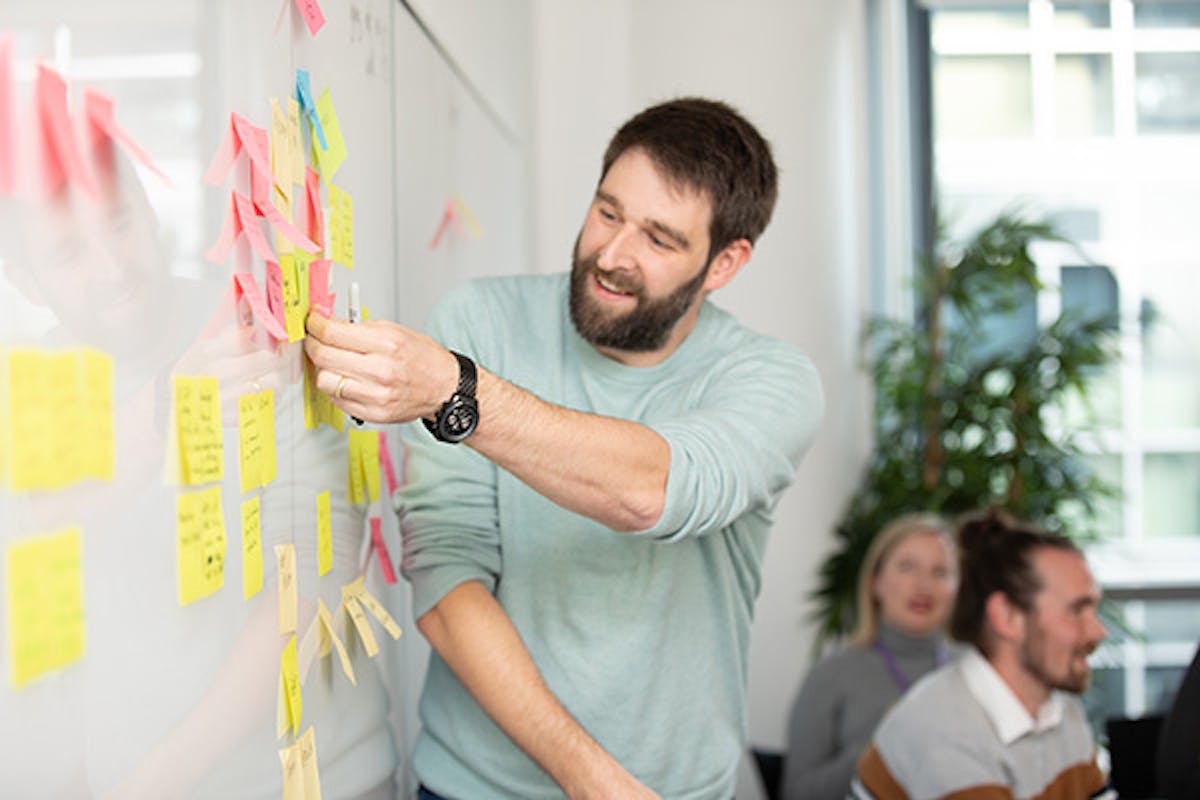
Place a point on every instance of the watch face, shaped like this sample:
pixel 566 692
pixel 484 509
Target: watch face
pixel 458 419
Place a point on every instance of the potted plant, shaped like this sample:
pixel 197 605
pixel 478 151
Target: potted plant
pixel 964 418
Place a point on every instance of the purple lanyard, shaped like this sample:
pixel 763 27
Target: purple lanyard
pixel 894 669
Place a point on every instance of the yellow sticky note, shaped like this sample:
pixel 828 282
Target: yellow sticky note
pixel 290 670
pixel 327 625
pixel 293 777
pixel 285 562
pixel 361 624
pixel 29 420
pixel 198 426
pixel 281 708
pixel 308 765
pixel 250 442
pixel 330 157
pixel 99 420
pixel 295 147
pixel 266 424
pixel 359 590
pixel 324 535
pixel 281 155
pixel 252 556
pixel 356 485
pixel 43 577
pixel 465 213
pixel 66 441
pixel 341 226
pixel 200 555
pixel 5 431
pixel 295 306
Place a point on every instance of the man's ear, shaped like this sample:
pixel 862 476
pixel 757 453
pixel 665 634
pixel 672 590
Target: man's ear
pixel 727 263
pixel 1006 620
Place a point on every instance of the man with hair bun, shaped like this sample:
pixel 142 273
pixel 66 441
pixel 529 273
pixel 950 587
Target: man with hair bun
pixel 1004 721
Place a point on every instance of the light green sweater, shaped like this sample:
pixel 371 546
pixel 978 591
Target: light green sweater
pixel 643 637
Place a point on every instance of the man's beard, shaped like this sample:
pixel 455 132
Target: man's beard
pixel 1033 659
pixel 644 328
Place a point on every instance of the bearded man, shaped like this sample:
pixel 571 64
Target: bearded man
pixel 585 568
pixel 1004 720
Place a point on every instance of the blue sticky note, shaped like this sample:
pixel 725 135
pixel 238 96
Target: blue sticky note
pixel 304 93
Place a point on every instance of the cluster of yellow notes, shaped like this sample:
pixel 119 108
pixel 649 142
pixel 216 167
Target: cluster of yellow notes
pixel 57 429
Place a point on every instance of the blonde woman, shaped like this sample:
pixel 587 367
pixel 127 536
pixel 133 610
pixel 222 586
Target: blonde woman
pixel 906 589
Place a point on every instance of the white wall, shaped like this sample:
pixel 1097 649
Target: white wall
pixel 797 71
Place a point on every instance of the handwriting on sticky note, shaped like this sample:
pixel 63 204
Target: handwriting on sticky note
pixel 285 564
pixel 200 544
pixel 290 670
pixel 252 555
pixel 313 17
pixel 198 427
pixel 43 578
pixel 341 226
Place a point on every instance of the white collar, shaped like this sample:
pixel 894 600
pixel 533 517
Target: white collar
pixel 1008 716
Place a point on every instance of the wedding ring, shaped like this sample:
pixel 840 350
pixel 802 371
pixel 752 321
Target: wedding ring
pixel 338 391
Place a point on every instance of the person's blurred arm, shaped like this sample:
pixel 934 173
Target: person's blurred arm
pixel 815 764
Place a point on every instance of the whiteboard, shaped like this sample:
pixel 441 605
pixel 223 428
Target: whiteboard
pixel 171 699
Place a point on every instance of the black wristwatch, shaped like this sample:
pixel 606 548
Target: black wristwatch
pixel 458 416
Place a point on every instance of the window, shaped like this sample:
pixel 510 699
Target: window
pixel 1089 113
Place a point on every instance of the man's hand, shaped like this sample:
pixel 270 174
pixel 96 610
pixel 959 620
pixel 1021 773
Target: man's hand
pixel 380 371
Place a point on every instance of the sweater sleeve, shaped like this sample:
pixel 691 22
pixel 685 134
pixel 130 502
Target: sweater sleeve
pixel 741 445
pixel 1179 743
pixel 449 521
pixel 816 764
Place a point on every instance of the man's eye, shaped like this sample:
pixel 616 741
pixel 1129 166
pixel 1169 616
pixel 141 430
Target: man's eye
pixel 608 215
pixel 659 243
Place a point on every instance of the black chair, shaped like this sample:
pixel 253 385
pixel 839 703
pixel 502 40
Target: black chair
pixel 770 769
pixel 1133 746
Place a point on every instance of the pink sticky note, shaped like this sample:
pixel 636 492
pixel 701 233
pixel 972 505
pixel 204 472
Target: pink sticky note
pixel 385 460
pixel 275 292
pixel 312 205
pixel 256 143
pixel 8 175
pixel 311 11
pixel 319 296
pixel 284 226
pixel 102 121
pixel 380 548
pixel 62 158
pixel 248 221
pixel 229 233
pixel 248 288
pixel 223 159
pixel 449 217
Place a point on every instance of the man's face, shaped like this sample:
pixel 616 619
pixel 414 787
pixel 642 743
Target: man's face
pixel 1063 628
pixel 640 262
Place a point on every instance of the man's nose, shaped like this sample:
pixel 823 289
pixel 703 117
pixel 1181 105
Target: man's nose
pixel 617 252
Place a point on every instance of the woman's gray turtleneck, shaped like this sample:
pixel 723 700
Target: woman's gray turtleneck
pixel 841 702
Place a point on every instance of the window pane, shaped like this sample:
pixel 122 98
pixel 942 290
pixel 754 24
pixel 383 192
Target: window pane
pixel 1172 494
pixel 1105 698
pixel 1081 15
pixel 1169 213
pixel 982 97
pixel 1106 523
pixel 1171 14
pixel 1161 685
pixel 1084 95
pixel 1171 347
pixel 1173 621
pixel 977 19
pixel 1168 92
